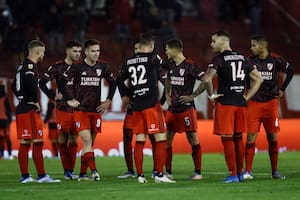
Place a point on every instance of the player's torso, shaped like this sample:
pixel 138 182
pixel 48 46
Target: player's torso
pixel 182 80
pixel 269 71
pixel 88 86
pixel 232 71
pixel 143 76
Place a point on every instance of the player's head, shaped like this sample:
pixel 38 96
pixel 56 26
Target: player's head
pixel 220 40
pixel 73 50
pixel 92 49
pixel 146 42
pixel 259 44
pixel 136 47
pixel 36 50
pixel 173 47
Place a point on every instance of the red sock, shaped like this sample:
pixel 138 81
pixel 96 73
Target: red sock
pixel 23 158
pixel 273 154
pixel 153 143
pixel 160 156
pixel 83 165
pixel 197 157
pixel 169 158
pixel 90 159
pixel 127 139
pixel 63 151
pixel 249 156
pixel 239 152
pixel 37 156
pixel 55 146
pixel 138 157
pixel 72 151
pixel 229 152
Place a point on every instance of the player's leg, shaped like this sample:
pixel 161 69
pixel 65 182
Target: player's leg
pixel 72 151
pixel 249 154
pixel 273 154
pixel 127 148
pixel 152 141
pixel 169 155
pixel 239 153
pixel 192 137
pixel 139 156
pixel 63 151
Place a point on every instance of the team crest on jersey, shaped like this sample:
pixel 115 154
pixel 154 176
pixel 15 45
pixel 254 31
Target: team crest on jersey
pixel 78 124
pixel 270 66
pixel 30 66
pixel 98 71
pixel 181 72
pixel 84 73
pixel 255 67
pixel 40 132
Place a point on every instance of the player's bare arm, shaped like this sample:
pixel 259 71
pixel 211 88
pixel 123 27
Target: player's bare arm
pixel 168 91
pixel 256 81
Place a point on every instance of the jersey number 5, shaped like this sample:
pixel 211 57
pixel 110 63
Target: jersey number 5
pixel 237 71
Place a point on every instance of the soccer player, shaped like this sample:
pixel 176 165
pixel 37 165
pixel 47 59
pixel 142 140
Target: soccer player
pixel 263 106
pixel 230 122
pixel 67 135
pixel 127 126
pixel 142 71
pixel 181 115
pixel 28 119
pixel 5 119
pixel 87 76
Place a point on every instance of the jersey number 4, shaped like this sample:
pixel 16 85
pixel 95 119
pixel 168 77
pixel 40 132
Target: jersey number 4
pixel 137 75
pixel 237 71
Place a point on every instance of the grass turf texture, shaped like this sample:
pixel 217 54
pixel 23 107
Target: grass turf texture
pixel 210 187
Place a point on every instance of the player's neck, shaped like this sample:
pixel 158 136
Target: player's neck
pixel 179 59
pixel 264 54
pixel 90 62
pixel 33 58
pixel 69 61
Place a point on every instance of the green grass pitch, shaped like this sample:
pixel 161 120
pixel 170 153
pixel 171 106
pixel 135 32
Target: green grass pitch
pixel 262 187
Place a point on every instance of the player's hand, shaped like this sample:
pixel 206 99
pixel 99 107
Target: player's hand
pixel 73 103
pixel 186 99
pixel 103 106
pixel 36 104
pixel 214 97
pixel 58 96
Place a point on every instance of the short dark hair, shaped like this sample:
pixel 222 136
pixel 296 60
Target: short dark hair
pixel 73 43
pixel 146 38
pixel 91 42
pixel 35 43
pixel 175 44
pixel 259 38
pixel 222 33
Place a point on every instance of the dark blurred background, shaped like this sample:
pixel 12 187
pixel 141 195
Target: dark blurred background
pixel 118 23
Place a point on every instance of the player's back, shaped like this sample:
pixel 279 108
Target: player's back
pixel 142 71
pixel 232 69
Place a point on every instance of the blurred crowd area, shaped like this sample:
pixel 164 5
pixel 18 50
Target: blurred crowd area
pixel 118 23
pixel 56 21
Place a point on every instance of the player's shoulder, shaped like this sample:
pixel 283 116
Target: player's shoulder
pixel 59 62
pixel 28 65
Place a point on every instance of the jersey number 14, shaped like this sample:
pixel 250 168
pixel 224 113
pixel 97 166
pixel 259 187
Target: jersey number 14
pixel 237 71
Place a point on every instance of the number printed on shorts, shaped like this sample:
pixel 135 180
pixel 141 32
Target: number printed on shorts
pixel 137 74
pixel 187 121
